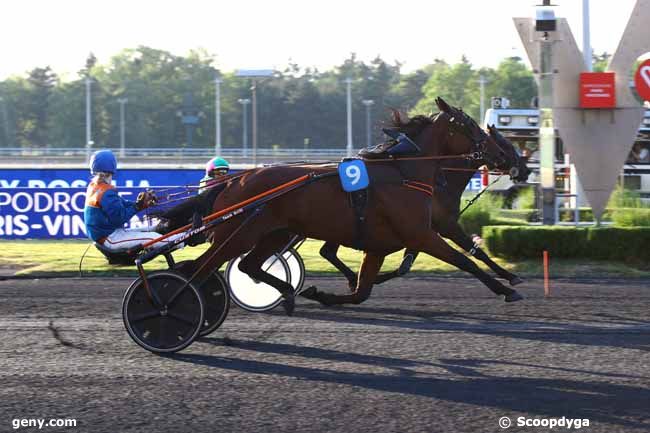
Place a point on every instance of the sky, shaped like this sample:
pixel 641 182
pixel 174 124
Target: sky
pixel 262 34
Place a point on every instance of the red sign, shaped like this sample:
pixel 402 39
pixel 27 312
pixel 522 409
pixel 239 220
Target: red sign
pixel 597 90
pixel 642 80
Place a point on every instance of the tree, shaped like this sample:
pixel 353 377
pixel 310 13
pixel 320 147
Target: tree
pixel 33 126
pixel 513 80
pixel 457 84
pixel 600 61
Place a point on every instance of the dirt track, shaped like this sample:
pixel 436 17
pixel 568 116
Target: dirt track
pixel 423 354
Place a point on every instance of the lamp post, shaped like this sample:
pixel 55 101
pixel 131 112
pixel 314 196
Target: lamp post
pixel 368 103
pixel 348 88
pixel 89 142
pixel 244 107
pixel 217 115
pixel 255 75
pixel 122 102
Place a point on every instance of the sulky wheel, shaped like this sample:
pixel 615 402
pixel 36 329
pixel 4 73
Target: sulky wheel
pixel 216 297
pixel 252 295
pixel 171 320
pixel 296 267
pixel 217 302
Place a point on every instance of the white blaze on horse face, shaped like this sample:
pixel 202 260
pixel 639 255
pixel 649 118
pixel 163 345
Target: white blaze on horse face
pixel 645 74
pixel 353 173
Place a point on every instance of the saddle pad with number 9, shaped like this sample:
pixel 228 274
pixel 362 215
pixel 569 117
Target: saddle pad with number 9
pixel 354 175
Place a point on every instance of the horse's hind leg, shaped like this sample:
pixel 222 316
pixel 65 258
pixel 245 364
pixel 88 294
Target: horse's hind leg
pixel 435 246
pixel 329 252
pixel 252 264
pixel 370 266
pixel 455 233
pixel 404 268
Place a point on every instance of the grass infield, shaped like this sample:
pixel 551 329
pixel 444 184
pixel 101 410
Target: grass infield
pixel 32 258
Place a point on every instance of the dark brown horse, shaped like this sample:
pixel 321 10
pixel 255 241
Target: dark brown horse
pixel 445 208
pixel 398 216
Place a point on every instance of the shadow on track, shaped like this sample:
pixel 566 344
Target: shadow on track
pixel 601 402
pixel 628 335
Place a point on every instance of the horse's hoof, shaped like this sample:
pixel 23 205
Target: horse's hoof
pixel 289 303
pixel 313 294
pixel 515 281
pixel 513 297
pixel 310 293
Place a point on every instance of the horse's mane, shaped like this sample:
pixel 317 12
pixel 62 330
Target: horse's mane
pixel 413 124
pixel 397 120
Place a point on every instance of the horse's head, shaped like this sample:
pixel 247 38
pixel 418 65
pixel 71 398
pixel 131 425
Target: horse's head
pixel 518 169
pixel 493 149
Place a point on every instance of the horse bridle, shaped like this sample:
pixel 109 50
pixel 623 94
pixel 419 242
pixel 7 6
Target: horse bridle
pixel 463 124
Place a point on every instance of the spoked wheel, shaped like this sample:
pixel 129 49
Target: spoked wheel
pixel 296 267
pixel 216 297
pixel 254 295
pixel 217 302
pixel 171 320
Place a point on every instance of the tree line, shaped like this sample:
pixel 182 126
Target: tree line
pixel 297 107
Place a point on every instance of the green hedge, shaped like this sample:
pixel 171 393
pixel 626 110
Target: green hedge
pixel 628 244
pixel 622 216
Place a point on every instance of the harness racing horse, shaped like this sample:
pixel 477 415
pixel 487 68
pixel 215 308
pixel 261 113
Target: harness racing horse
pixel 445 210
pixel 398 212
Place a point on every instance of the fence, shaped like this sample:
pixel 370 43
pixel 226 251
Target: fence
pixel 172 155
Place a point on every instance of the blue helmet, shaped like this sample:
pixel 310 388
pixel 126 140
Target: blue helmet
pixel 104 161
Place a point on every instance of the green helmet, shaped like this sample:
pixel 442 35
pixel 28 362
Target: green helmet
pixel 216 164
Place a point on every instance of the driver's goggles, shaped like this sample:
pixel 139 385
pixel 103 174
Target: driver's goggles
pixel 219 172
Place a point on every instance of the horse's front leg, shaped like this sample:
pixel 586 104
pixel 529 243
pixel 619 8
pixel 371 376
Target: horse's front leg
pixel 455 233
pixel 370 266
pixel 435 246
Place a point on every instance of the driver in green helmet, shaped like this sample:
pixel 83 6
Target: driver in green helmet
pixel 215 168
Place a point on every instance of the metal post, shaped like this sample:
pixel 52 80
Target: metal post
pixel 348 82
pixel 217 115
pixel 122 102
pixel 586 40
pixel 88 120
pixel 547 129
pixel 244 106
pixel 254 75
pixel 5 119
pixel 368 103
pixel 254 114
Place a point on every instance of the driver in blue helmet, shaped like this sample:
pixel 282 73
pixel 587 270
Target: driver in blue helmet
pixel 106 213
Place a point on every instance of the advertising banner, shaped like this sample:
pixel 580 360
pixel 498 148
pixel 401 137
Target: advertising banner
pixel 80 177
pixel 48 213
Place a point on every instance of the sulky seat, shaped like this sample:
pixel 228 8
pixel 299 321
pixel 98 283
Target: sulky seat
pixel 123 257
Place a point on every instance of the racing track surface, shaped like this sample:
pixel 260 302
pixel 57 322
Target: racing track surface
pixel 423 354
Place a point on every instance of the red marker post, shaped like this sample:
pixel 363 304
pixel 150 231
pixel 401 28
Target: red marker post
pixel 547 288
